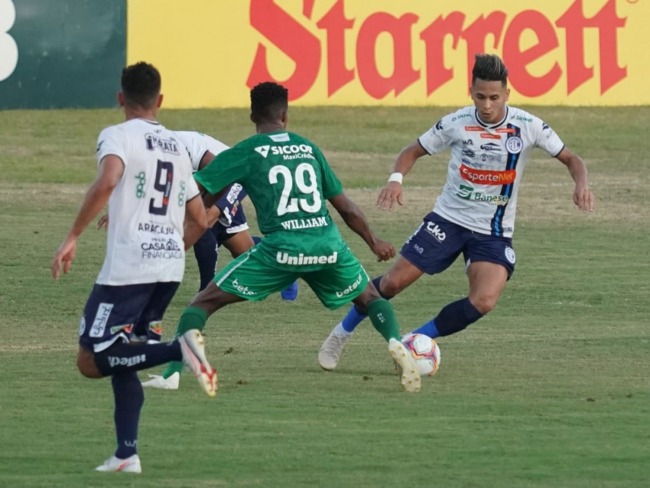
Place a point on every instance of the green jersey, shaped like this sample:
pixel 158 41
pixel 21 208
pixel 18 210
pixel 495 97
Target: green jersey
pixel 289 181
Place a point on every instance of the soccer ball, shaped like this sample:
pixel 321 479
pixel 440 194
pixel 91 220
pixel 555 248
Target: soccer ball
pixel 425 351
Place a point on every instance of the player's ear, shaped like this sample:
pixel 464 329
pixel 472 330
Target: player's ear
pixel 253 118
pixel 285 117
pixel 120 98
pixel 159 101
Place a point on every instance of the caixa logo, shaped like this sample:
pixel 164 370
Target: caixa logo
pixel 345 46
pixel 8 46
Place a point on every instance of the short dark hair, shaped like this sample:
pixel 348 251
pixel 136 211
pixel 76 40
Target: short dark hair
pixel 268 101
pixel 141 84
pixel 489 67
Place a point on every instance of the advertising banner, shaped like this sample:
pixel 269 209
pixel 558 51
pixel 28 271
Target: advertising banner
pixel 61 53
pixel 416 52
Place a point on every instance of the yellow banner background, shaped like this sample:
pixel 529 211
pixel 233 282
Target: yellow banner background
pixel 205 49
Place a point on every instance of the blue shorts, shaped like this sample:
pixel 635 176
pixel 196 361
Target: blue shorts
pixel 436 244
pixel 238 223
pixel 233 218
pixel 115 313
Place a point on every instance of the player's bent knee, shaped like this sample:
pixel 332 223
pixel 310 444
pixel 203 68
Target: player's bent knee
pixel 86 364
pixel 484 304
pixel 391 286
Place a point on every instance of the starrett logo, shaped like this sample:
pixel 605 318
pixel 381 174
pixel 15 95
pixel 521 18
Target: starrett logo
pixel 345 47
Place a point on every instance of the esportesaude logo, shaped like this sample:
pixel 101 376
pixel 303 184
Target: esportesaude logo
pixel 8 46
pixel 487 177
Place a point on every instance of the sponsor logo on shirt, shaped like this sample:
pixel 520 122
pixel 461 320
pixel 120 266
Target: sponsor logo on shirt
pixel 350 288
pixel 474 128
pixel 302 260
pixel 165 145
pixel 292 151
pixel 139 188
pixel 487 135
pixel 490 146
pixel 468 193
pixel 487 177
pixel 161 249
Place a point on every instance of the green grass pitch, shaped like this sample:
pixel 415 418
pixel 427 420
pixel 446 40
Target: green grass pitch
pixel 551 389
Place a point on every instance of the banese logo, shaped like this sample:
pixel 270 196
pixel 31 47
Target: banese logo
pixel 345 46
pixel 8 46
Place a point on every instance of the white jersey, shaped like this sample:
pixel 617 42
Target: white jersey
pixel 198 144
pixel 146 210
pixel 486 166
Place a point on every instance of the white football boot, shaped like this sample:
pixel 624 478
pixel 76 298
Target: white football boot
pixel 193 348
pixel 160 383
pixel 115 464
pixel 330 351
pixel 406 365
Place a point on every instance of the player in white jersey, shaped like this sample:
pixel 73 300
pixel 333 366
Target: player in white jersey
pixel 490 144
pixel 145 176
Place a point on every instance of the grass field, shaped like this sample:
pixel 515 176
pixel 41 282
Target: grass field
pixel 549 390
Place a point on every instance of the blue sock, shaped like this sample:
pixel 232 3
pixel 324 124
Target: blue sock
pixel 428 329
pixel 352 319
pixel 129 398
pixel 290 293
pixel 121 357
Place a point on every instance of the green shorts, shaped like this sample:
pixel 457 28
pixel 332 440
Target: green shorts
pixel 336 279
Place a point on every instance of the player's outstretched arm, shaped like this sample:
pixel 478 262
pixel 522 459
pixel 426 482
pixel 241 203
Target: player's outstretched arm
pixel 110 173
pixel 392 192
pixel 356 220
pixel 582 195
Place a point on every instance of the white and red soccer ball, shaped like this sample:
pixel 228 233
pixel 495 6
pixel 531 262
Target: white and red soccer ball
pixel 425 351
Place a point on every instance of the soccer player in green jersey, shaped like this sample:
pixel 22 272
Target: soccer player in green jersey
pixel 289 180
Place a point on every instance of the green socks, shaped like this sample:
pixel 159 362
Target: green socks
pixel 383 318
pixel 192 318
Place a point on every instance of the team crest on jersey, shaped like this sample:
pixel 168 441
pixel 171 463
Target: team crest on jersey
pixel 514 145
pixel 510 255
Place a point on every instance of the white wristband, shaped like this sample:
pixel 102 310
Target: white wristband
pixel 398 177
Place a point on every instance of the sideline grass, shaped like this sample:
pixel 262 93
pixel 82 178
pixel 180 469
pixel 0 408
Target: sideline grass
pixel 550 389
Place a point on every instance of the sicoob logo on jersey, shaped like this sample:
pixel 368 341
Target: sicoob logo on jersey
pixel 292 151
